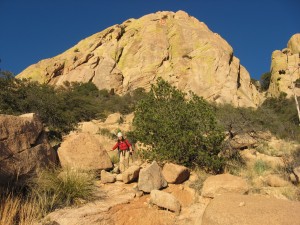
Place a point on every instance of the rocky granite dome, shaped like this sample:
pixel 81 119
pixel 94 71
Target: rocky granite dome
pixel 174 46
pixel 285 69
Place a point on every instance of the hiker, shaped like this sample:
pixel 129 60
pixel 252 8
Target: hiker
pixel 125 150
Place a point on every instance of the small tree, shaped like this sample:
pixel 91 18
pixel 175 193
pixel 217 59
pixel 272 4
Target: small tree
pixel 178 129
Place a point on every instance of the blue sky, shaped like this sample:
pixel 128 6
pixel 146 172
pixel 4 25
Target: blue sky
pixel 32 30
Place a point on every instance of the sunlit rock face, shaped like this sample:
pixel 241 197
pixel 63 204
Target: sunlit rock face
pixel 175 46
pixel 285 69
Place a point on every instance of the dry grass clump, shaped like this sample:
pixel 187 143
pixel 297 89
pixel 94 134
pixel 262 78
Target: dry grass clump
pixel 54 189
pixel 14 209
pixel 201 176
pixel 49 190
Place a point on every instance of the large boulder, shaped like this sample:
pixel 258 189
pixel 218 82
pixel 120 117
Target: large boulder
pixel 165 200
pixel 224 183
pixel 83 151
pixel 151 178
pixel 107 177
pixel 175 174
pixel 134 54
pixel 131 174
pixel 24 148
pixel 235 209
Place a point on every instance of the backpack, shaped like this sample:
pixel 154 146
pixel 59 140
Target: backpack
pixel 126 142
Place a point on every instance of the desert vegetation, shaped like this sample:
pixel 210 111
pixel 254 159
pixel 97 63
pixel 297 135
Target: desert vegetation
pixel 49 190
pixel 177 127
pixel 63 107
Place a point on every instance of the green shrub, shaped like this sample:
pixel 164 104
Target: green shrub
pixel 106 132
pixel 61 108
pixel 179 129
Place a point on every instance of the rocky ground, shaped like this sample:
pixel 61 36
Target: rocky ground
pixel 120 203
pixel 225 199
pixel 261 192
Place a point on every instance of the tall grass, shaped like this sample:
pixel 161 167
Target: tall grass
pixel 15 209
pixel 260 167
pixel 50 190
pixel 54 189
pixel 9 208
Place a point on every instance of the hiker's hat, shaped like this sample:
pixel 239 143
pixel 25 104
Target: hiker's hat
pixel 119 134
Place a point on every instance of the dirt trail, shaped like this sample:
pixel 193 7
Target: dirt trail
pixel 117 204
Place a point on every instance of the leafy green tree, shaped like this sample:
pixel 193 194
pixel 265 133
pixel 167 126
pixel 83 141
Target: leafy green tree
pixel 179 128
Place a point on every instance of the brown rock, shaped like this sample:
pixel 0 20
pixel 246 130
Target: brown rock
pixel 185 195
pixel 224 183
pixel 83 151
pixel 24 148
pixel 131 174
pixel 107 177
pixel 119 177
pixel 175 174
pixel 242 141
pixel 139 213
pixel 113 118
pixel 133 54
pixel 257 210
pixel 275 181
pixel 151 178
pixel 165 200
pixel 251 156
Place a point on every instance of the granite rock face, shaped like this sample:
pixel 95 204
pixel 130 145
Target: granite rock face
pixel 175 46
pixel 285 69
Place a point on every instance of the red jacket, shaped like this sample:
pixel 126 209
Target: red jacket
pixel 123 145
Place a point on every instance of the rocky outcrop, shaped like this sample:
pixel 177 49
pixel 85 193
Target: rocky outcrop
pixel 174 46
pixel 242 141
pixel 235 209
pixel 251 156
pixel 294 44
pixel 24 148
pixel 285 69
pixel 224 183
pixel 84 151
